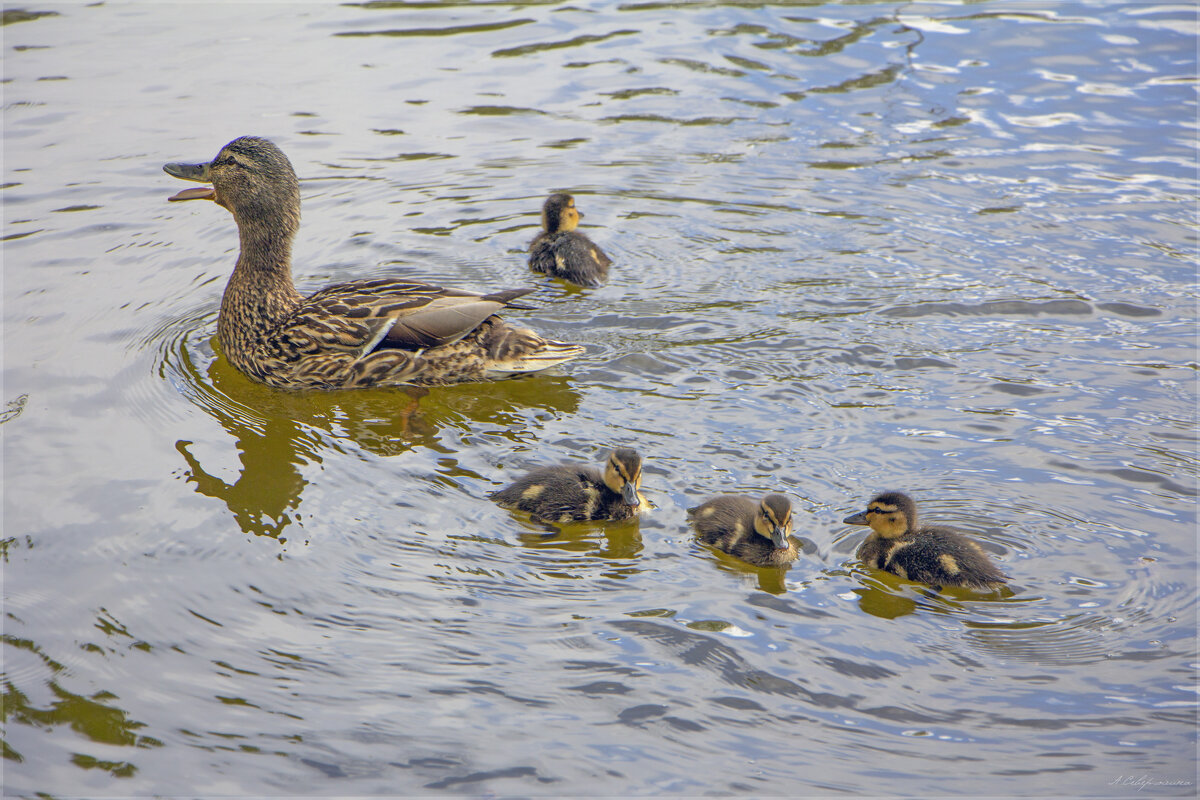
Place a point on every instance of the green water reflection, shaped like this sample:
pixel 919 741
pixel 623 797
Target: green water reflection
pixel 277 434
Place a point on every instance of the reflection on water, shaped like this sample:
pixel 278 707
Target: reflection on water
pixel 613 541
pixel 95 718
pixel 278 433
pixel 942 248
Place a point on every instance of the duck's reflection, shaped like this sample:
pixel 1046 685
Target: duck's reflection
pixel 882 594
pixel 278 433
pixel 769 579
pixel 612 540
pixel 772 580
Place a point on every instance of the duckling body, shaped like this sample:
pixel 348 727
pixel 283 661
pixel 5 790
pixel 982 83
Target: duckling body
pixel 563 252
pixel 375 332
pixel 570 493
pixel 934 555
pixel 757 532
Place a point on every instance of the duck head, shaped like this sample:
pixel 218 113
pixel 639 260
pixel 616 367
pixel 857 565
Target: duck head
pixel 560 214
pixel 623 474
pixel 251 177
pixel 891 515
pixel 774 520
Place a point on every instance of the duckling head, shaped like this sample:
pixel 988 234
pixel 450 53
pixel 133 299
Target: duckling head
pixel 891 515
pixel 560 214
pixel 774 519
pixel 623 474
pixel 252 178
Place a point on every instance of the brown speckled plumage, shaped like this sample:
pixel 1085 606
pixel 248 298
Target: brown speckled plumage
pixel 571 493
pixel 564 252
pixel 375 332
pixel 743 527
pixel 934 555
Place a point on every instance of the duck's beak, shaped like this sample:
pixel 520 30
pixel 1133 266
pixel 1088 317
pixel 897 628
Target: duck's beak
pixel 630 494
pixel 856 519
pixel 779 538
pixel 191 172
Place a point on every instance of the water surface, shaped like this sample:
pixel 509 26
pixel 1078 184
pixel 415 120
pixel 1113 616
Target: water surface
pixel 946 248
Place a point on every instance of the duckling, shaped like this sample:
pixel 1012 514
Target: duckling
pixel 757 533
pixel 570 494
pixel 374 332
pixel 564 252
pixel 926 554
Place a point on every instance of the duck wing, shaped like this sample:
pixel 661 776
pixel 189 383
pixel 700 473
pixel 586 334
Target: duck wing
pixel 362 317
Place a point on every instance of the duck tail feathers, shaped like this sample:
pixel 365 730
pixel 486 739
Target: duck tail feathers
pixel 547 354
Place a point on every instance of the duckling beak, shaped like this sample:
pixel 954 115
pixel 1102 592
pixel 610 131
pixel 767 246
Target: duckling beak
pixel 856 519
pixel 779 538
pixel 630 494
pixel 191 172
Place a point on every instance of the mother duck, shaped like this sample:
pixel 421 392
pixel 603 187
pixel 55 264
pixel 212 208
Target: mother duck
pixel 374 332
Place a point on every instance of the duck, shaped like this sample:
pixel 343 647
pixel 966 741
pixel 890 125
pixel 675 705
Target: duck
pixel 362 333
pixel 569 493
pixel 756 531
pixel 563 252
pixel 933 555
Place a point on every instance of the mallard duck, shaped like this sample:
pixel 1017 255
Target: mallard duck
pixel 569 493
pixel 375 332
pixel 758 533
pixel 926 554
pixel 564 252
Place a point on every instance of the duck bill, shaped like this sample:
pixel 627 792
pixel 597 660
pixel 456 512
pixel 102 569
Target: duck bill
pixel 191 172
pixel 630 494
pixel 856 519
pixel 779 538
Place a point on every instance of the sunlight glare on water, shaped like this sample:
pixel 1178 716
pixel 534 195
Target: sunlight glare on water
pixel 947 248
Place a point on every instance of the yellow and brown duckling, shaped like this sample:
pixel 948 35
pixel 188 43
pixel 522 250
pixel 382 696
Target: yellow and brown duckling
pixel 375 332
pixel 924 553
pixel 570 493
pixel 563 252
pixel 758 533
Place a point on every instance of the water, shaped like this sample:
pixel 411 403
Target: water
pixel 938 247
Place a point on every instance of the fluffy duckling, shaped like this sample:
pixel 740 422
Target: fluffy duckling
pixel 569 493
pixel 376 332
pixel 564 252
pixel 926 554
pixel 757 533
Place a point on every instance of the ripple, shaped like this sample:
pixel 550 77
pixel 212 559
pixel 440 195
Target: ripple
pixel 13 408
pixel 449 30
pixel 1071 641
pixel 577 41
pixel 948 254
pixel 998 308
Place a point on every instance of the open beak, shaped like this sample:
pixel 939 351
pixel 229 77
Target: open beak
pixel 630 494
pixel 191 172
pixel 856 519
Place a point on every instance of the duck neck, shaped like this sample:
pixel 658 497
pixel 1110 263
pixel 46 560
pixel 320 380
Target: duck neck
pixel 260 293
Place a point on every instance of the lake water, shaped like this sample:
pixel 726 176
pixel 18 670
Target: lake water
pixel 948 248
